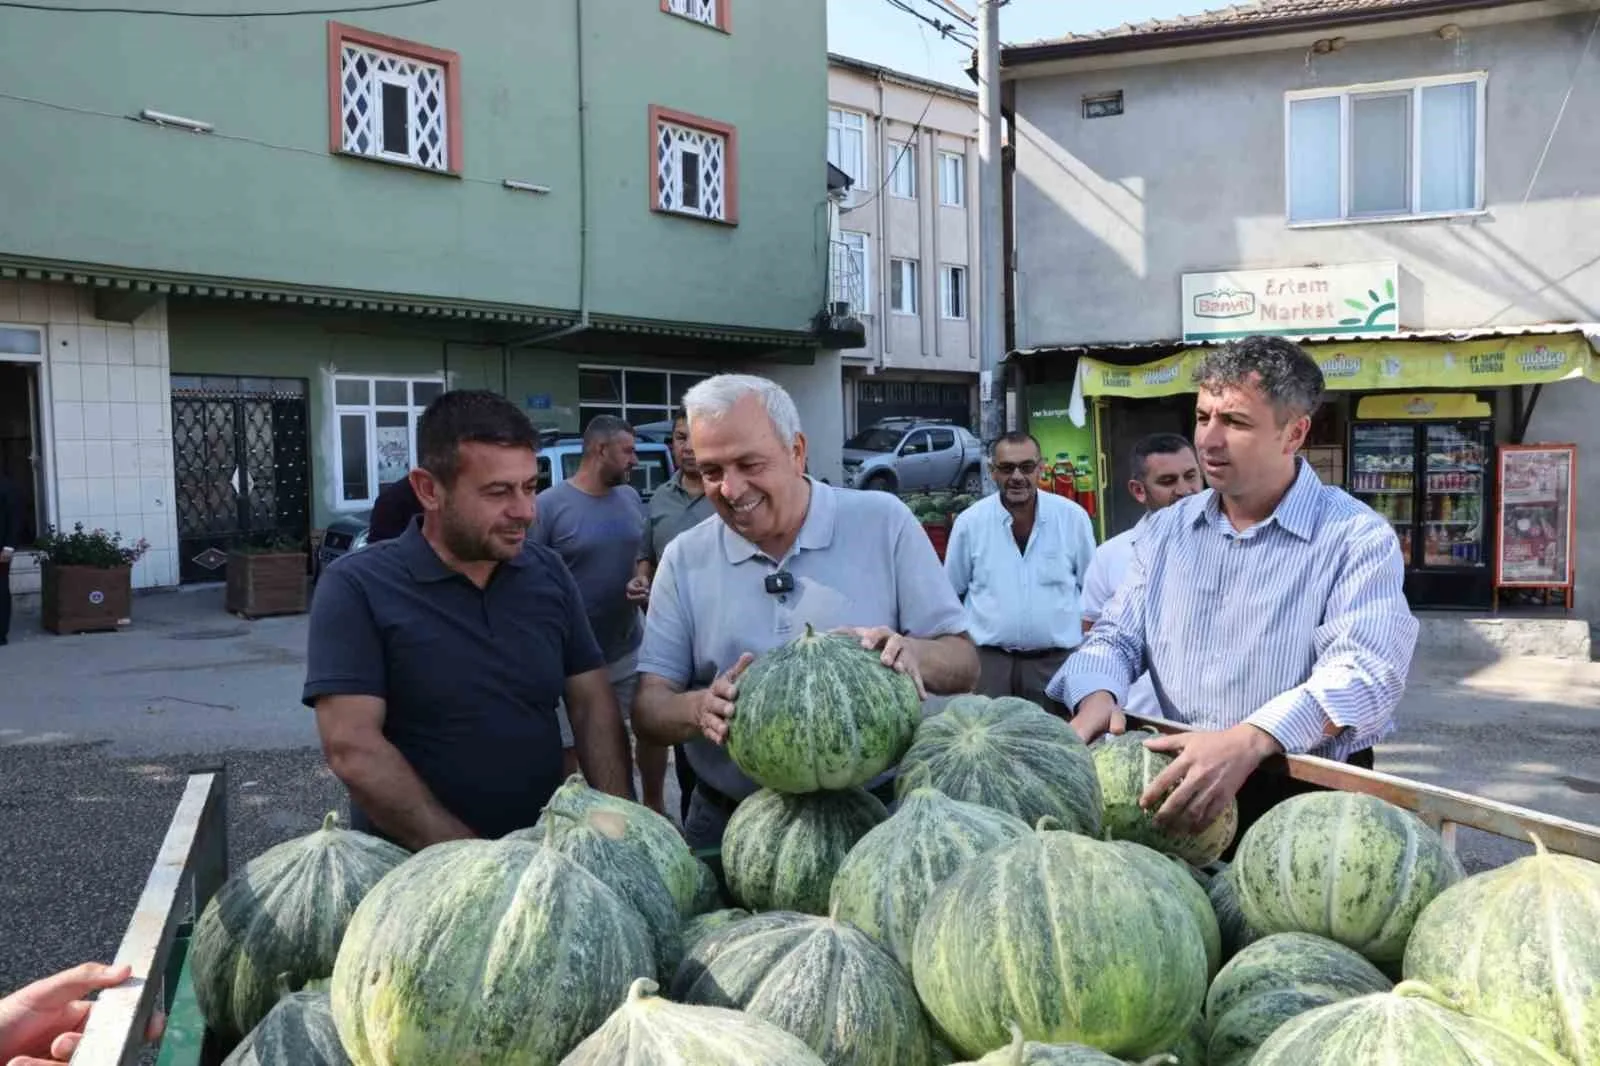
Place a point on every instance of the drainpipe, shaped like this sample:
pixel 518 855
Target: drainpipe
pixel 582 324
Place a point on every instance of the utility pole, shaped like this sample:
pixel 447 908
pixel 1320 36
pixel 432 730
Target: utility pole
pixel 991 255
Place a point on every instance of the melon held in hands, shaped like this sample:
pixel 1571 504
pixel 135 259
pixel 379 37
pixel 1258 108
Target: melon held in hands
pixel 821 712
pixel 1126 768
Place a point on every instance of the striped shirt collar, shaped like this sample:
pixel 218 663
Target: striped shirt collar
pixel 1297 513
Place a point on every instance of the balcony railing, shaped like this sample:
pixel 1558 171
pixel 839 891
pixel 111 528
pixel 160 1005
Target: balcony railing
pixel 847 281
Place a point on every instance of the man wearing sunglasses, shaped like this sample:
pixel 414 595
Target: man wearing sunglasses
pixel 1017 560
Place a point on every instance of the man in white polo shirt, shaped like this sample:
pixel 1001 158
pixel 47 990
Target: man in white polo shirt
pixel 1017 559
pixel 1162 471
pixel 789 551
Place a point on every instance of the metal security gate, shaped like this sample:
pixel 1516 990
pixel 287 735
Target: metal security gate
pixel 239 447
pixel 912 399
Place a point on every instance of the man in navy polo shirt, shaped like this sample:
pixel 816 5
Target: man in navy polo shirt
pixel 436 659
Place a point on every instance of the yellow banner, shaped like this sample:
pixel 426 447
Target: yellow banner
pixel 1380 366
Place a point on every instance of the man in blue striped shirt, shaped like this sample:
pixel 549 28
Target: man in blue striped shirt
pixel 1269 609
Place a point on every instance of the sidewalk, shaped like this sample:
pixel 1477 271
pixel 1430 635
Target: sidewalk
pixel 184 676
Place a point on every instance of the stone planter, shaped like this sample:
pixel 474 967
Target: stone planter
pixel 85 599
pixel 266 583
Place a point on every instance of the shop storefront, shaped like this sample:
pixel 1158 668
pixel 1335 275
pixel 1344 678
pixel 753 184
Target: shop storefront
pixel 1417 425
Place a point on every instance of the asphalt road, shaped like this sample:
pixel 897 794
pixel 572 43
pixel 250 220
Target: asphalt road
pixel 97 733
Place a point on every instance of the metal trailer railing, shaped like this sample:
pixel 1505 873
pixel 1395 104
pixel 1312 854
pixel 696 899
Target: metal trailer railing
pixel 192 865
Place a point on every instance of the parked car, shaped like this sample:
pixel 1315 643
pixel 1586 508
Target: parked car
pixel 914 455
pixel 559 456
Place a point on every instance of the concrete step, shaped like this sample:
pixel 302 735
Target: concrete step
pixel 1487 638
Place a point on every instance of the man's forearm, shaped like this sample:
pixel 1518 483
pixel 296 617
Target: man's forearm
pixel 949 664
pixel 384 785
pixel 662 716
pixel 602 747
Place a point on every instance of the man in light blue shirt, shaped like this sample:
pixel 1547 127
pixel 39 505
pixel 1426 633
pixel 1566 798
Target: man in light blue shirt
pixel 1269 610
pixel 1162 470
pixel 1017 559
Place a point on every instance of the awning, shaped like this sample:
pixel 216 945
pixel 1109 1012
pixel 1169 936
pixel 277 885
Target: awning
pixel 1435 359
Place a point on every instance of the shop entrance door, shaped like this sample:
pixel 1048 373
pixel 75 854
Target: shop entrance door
pixel 21 425
pixel 239 449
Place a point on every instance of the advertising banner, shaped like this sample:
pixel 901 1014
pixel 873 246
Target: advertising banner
pixel 1373 366
pixel 1071 465
pixel 1537 522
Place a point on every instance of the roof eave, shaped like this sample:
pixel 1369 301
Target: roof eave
pixel 1179 36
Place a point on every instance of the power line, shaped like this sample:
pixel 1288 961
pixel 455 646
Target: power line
pixel 950 30
pixel 25 5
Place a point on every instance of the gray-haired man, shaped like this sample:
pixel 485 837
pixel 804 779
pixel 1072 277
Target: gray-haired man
pixel 712 607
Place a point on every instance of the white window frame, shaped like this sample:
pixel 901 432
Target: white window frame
pixel 842 120
pixel 416 133
pixel 46 507
pixel 910 272
pixel 1415 86
pixel 861 302
pixel 698 11
pixel 949 161
pixel 666 410
pixel 947 274
pixel 369 413
pixel 901 163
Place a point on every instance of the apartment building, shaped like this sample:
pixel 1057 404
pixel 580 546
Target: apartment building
pixel 906 244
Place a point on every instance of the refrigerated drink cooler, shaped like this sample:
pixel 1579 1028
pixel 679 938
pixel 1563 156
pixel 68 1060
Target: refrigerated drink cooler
pixel 1431 480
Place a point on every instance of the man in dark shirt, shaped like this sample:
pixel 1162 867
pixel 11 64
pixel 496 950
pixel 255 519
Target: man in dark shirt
pixel 393 511
pixel 436 659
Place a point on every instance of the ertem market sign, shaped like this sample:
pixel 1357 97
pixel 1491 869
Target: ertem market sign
pixel 1291 301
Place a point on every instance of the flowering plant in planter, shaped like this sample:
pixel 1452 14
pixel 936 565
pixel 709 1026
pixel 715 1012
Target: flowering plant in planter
pixel 87 583
pixel 95 548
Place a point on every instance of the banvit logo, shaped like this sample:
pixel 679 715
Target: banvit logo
pixel 1224 303
pixel 1341 366
pixel 1542 358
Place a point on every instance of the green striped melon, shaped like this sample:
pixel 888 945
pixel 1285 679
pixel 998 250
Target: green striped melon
pixel 1278 978
pixel 821 712
pixel 1520 946
pixel 297 1031
pixel 887 878
pixel 1190 1050
pixel 1175 874
pixel 278 922
pixel 780 852
pixel 1008 754
pixel 598 842
pixel 701 926
pixel 650 1031
pixel 1343 865
pixel 1068 937
pixel 1414 1024
pixel 1024 1052
pixel 707 893
pixel 1236 932
pixel 651 831
pixel 477 952
pixel 824 981
pixel 1126 768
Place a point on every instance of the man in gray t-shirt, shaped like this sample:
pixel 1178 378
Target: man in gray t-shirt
pixel 788 551
pixel 597 523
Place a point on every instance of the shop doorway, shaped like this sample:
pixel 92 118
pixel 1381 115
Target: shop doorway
pixel 21 427
pixel 239 448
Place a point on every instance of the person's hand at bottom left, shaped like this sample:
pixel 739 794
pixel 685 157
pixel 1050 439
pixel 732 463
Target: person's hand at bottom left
pixel 41 1023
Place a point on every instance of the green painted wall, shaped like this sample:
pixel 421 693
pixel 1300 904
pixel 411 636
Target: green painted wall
pixel 263 198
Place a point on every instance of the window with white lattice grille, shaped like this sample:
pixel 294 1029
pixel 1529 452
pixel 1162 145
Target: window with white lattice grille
pixel 395 100
pixel 709 12
pixel 693 166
